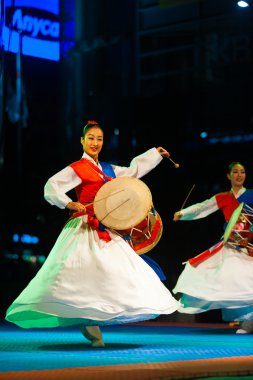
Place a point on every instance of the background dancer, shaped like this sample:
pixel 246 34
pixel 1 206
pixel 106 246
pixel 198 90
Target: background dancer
pixel 222 276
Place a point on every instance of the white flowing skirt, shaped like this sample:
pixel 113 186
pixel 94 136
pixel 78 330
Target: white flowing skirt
pixel 223 281
pixel 85 280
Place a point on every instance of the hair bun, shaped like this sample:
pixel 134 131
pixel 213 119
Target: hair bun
pixel 92 122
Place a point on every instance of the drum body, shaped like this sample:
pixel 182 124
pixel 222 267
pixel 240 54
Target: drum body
pixel 239 231
pixel 145 235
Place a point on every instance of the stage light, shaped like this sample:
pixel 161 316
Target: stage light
pixel 15 238
pixel 203 134
pixel 243 4
pixel 25 238
pixel 28 239
pixel 228 139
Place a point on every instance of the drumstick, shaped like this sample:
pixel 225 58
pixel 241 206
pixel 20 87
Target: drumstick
pixel 161 150
pixel 187 197
pixel 115 208
pixel 101 199
pixel 174 163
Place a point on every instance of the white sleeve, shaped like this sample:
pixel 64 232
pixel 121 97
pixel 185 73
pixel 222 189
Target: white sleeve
pixel 58 185
pixel 140 165
pixel 200 210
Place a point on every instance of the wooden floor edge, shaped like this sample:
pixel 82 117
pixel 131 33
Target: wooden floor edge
pixel 232 366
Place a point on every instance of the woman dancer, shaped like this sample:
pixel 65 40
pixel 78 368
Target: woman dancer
pixel 222 276
pixel 92 276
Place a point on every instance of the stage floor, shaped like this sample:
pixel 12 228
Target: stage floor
pixel 149 350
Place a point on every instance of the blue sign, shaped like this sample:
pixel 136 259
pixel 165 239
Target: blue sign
pixel 32 27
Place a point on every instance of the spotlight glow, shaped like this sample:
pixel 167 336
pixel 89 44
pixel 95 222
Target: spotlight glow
pixel 203 134
pixel 242 4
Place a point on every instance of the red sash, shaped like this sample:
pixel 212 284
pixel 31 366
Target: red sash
pixel 195 261
pixel 227 203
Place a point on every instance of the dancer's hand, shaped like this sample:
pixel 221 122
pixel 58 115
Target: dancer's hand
pixel 177 216
pixel 76 206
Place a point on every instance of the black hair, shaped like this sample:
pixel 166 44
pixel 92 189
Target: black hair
pixel 90 124
pixel 232 164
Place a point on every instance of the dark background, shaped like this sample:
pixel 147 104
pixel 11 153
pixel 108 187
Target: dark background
pixel 153 73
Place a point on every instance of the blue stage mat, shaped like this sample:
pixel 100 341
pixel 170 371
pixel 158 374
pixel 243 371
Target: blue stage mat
pixel 38 349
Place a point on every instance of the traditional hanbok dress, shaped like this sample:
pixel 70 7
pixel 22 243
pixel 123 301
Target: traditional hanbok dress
pixel 91 276
pixel 222 276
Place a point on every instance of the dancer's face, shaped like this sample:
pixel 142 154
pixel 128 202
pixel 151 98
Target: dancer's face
pixel 237 175
pixel 92 142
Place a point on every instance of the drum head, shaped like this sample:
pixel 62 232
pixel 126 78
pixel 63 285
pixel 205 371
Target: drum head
pixel 122 202
pixel 232 222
